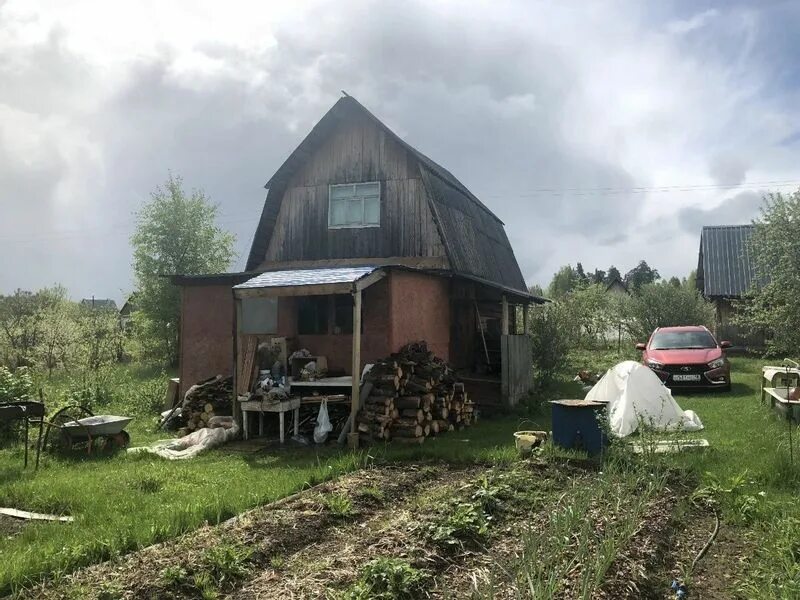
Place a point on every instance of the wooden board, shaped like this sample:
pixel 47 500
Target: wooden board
pixel 247 363
pixel 32 516
pixel 517 367
pixel 172 396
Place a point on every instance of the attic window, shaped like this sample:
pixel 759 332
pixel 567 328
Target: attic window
pixel 354 205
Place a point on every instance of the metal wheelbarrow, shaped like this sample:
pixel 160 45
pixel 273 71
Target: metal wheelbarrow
pixel 104 432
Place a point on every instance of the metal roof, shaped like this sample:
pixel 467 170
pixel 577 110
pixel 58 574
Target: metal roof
pixel 298 277
pixel 725 268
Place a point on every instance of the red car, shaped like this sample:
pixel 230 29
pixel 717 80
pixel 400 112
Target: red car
pixel 687 357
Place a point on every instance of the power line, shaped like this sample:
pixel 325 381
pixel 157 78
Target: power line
pixel 600 191
pixel 113 229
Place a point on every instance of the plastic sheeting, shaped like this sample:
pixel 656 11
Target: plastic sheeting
pixel 636 396
pixel 219 431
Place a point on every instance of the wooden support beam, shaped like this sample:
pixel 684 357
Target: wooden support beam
pixel 237 327
pixel 354 390
pixel 320 289
pixel 526 308
pixel 505 315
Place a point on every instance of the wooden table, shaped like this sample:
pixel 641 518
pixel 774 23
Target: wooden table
pixel 261 407
pixel 343 383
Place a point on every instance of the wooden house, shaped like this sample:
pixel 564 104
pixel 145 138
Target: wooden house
pixel 725 273
pixel 365 244
pixel 618 287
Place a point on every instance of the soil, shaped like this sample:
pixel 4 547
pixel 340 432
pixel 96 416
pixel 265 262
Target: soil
pixel 308 546
pixel 11 527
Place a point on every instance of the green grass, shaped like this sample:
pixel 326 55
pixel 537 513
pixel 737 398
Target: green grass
pixel 121 503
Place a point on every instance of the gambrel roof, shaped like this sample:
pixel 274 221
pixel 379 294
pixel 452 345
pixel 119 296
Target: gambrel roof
pixel 474 238
pixel 724 267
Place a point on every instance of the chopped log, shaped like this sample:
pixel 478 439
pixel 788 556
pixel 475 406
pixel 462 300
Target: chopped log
pixel 408 402
pixel 406 431
pixel 417 385
pixel 413 413
pixel 383 420
pixel 385 381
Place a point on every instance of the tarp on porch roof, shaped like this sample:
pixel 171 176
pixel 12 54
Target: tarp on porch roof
pixel 303 277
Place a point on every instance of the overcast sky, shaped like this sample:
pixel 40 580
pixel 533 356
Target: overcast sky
pixel 601 132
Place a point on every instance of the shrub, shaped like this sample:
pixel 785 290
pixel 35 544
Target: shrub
pixel 388 579
pixel 227 562
pixel 338 505
pixel 16 385
pixel 774 301
pixel 664 305
pixel 549 341
pixel 464 524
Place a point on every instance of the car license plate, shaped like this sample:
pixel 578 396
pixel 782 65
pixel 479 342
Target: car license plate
pixel 693 377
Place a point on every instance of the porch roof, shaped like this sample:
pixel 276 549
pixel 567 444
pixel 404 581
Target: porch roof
pixel 307 282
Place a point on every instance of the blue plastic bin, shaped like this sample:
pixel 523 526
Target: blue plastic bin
pixel 576 425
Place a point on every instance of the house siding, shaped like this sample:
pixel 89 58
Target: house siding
pixel 206 333
pixel 420 310
pixel 357 151
pixel 337 348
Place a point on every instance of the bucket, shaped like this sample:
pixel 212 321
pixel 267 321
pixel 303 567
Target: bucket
pixel 526 441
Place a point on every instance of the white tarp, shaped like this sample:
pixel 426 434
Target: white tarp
pixel 636 395
pixel 219 431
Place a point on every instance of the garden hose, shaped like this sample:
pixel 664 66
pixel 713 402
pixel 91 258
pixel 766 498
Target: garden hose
pixel 680 589
pixel 710 541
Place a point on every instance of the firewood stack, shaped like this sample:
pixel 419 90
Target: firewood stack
pixel 414 395
pixel 204 400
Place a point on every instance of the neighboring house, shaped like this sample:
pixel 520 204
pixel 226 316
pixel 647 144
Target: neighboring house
pixel 99 303
pixel 359 226
pixel 127 311
pixel 725 273
pixel 617 286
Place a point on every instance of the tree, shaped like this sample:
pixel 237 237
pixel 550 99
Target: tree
pixel 598 276
pixel 564 281
pixel 664 305
pixel 101 335
pixel 612 275
pixel 691 279
pixel 580 274
pixel 536 290
pixel 589 312
pixel 550 345
pixel 176 234
pixel 773 304
pixel 675 282
pixel 60 334
pixel 640 275
pixel 22 324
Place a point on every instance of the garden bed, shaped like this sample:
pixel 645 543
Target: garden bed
pixel 554 529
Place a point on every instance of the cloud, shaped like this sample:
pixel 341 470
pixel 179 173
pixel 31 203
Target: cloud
pixel 739 209
pixel 697 21
pixel 568 125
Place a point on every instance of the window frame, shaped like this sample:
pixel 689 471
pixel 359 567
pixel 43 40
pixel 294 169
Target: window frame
pixel 361 225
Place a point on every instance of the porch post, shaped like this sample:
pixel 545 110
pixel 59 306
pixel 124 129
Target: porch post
pixel 525 309
pixel 237 326
pixel 356 370
pixel 505 315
